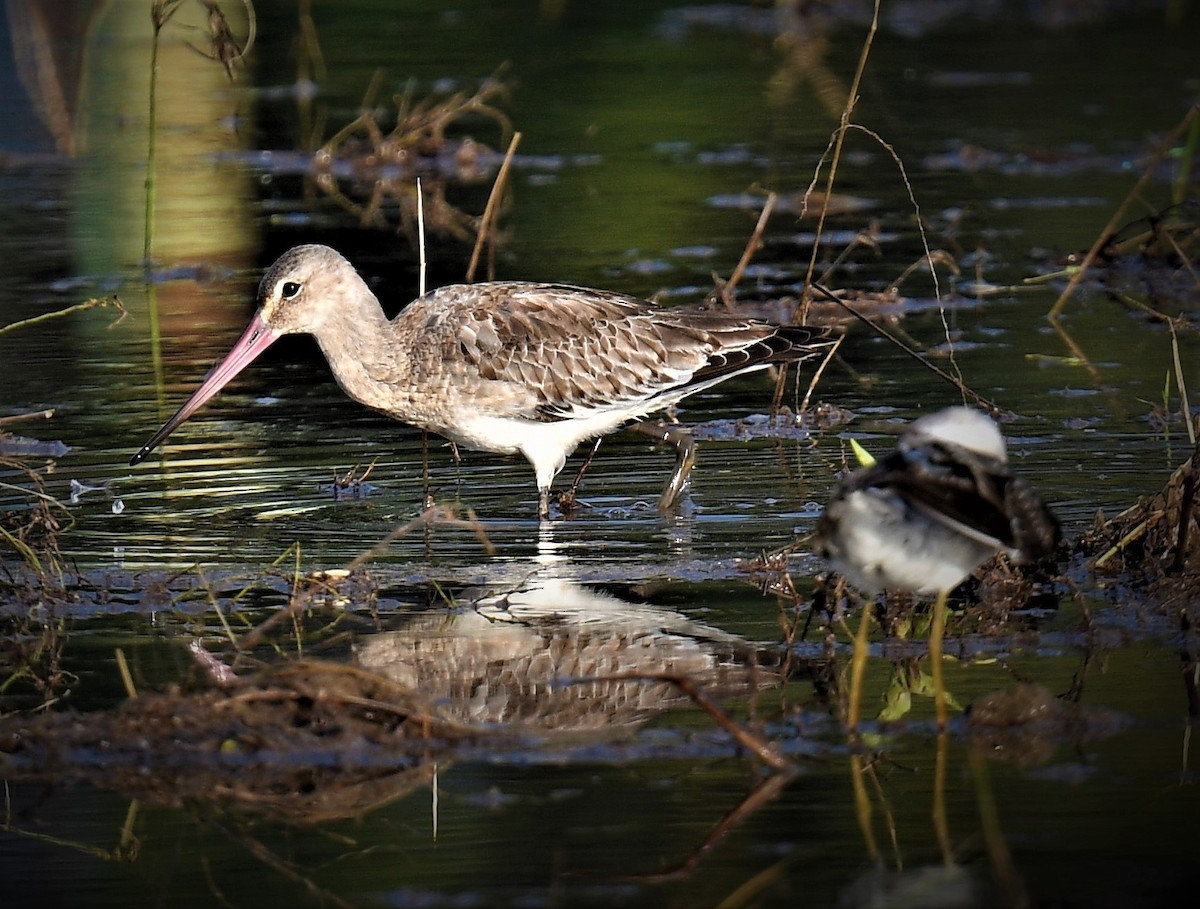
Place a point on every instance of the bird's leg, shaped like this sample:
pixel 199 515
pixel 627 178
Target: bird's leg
pixel 567 500
pixel 457 458
pixel 685 456
pixel 430 494
pixel 543 502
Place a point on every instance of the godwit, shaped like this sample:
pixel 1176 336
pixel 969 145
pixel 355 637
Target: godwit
pixel 929 513
pixel 505 367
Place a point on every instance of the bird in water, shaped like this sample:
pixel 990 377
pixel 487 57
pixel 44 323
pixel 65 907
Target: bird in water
pixel 506 367
pixel 933 510
pixel 929 513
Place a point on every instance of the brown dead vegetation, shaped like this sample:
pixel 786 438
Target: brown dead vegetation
pixel 307 741
pixel 1153 547
pixel 371 171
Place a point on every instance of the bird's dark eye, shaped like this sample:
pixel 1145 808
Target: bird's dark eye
pixel 289 290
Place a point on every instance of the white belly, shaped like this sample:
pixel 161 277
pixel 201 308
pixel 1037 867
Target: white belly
pixel 545 445
pixel 882 543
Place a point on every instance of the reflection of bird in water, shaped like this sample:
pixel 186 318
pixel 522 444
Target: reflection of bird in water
pixel 512 659
pixel 933 510
pixel 506 367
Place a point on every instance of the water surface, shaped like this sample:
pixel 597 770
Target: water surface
pixel 648 134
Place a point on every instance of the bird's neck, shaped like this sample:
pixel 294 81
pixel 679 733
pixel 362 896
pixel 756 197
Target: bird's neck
pixel 362 352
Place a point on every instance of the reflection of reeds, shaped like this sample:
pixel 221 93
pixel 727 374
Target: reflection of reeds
pixel 382 165
pixel 160 14
pixel 224 50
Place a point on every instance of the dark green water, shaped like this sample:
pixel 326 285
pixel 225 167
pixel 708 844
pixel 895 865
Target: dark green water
pixel 1018 138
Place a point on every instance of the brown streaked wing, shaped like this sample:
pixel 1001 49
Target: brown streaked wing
pixel 578 348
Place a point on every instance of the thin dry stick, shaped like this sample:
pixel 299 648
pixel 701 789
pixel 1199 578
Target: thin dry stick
pixel 93 303
pixel 751 892
pixel 435 514
pixel 420 293
pixel 250 640
pixel 475 525
pixel 26 417
pixel 296 604
pixel 1120 545
pixel 912 198
pixel 1187 502
pixel 293 597
pixel 224 45
pixel 851 100
pixel 762 794
pixel 1157 315
pixel 160 13
pixel 490 211
pixel 765 751
pixel 422 263
pixel 285 868
pixel 1190 484
pixel 126 675
pixel 753 245
pixel 1111 227
pixel 884 333
pixel 26 552
pixel 812 385
pixel 862 238
pixel 1184 259
pixel 929 257
pixel 293 551
pixel 1077 352
pixel 216 606
pixel 1185 409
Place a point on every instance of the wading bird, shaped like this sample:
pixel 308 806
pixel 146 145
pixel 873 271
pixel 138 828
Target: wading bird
pixel 505 367
pixel 932 511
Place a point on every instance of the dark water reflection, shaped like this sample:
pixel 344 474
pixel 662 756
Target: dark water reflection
pixel 644 132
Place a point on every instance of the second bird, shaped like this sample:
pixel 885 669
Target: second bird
pixel 505 367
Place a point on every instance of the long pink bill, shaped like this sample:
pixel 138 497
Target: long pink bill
pixel 257 338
